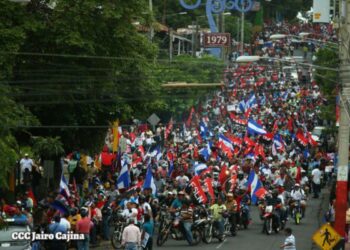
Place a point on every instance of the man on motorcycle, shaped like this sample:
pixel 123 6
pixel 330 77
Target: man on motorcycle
pixel 231 206
pixel 187 220
pixel 177 203
pixel 217 210
pixel 276 202
pixel 298 195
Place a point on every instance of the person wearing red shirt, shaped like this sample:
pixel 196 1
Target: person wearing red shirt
pixel 84 226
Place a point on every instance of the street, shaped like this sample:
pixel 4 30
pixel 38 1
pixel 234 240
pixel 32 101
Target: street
pixel 253 238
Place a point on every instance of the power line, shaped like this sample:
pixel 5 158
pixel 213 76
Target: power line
pixel 106 57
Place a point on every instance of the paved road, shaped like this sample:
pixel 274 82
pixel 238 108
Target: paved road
pixel 253 238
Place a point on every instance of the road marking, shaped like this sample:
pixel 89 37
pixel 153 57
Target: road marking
pixel 220 245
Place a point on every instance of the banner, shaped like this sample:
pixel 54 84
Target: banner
pixel 321 10
pixel 198 190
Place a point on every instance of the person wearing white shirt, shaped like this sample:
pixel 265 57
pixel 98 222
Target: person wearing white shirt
pixel 182 179
pixel 25 163
pixel 131 237
pixel 316 181
pixel 289 242
pixel 130 212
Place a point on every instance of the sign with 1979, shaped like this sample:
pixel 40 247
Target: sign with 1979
pixel 217 40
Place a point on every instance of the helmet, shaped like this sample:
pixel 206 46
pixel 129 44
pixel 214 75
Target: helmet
pixel 297 185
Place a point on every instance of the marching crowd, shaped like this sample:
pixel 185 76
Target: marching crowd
pixel 249 142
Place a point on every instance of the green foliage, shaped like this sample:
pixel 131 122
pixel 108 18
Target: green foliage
pixel 48 147
pixel 287 8
pixel 187 69
pixel 328 81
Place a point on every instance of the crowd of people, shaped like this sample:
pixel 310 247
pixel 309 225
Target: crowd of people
pixel 250 141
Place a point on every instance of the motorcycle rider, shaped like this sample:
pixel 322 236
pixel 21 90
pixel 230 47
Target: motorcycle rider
pixel 177 203
pixel 276 202
pixel 217 210
pixel 187 220
pixel 231 206
pixel 298 195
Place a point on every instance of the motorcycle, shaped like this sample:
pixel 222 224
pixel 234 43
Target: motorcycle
pixel 261 206
pixel 172 227
pixel 270 220
pixel 203 223
pixel 244 215
pixel 296 211
pixel 119 223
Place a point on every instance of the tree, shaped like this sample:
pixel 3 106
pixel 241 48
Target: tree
pixel 328 81
pixel 13 26
pixel 83 64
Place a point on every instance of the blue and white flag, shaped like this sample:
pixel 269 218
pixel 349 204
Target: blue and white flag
pixel 257 189
pixel 64 190
pixel 278 142
pixel 254 128
pixel 123 180
pixel 149 181
pixel 251 101
pixel 206 151
pixel 242 106
pixel 157 153
pixel 203 129
pixel 200 167
pixel 171 168
pixel 226 141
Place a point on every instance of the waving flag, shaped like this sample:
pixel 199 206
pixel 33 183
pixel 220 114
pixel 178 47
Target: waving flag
pixel 238 120
pixel 278 142
pixel 257 190
pixel 251 101
pixel 259 151
pixel 237 141
pixel 198 190
pixel 227 142
pixel 149 181
pixel 198 168
pixel 254 128
pixel 312 142
pixel 242 106
pixel 209 184
pixel 171 168
pixel 224 173
pixel 203 129
pixel 206 151
pixel 123 180
pixel 301 138
pixel 157 153
pixel 64 190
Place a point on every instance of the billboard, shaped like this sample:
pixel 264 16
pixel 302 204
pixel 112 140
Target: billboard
pixel 321 10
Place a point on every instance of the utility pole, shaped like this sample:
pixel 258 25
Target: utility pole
pixel 242 33
pixel 343 134
pixel 151 29
pixel 171 45
pixel 193 28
